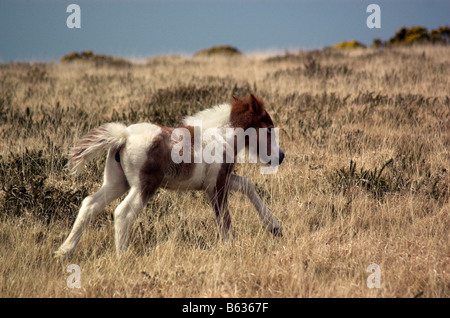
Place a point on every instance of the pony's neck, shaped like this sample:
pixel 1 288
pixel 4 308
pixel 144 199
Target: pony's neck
pixel 215 117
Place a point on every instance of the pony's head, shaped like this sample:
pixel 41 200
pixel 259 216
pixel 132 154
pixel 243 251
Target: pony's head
pixel 249 113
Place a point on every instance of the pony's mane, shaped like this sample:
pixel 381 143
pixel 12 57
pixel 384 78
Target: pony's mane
pixel 217 116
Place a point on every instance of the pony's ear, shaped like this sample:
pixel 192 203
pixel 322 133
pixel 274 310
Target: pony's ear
pixel 236 99
pixel 255 105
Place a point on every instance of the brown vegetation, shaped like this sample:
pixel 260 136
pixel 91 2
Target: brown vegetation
pixel 366 178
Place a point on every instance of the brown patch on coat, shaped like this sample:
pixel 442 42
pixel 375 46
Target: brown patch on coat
pixel 152 172
pixel 183 170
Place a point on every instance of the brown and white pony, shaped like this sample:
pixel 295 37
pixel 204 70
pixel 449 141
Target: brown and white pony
pixel 139 160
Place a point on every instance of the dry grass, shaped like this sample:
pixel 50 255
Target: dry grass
pixel 344 116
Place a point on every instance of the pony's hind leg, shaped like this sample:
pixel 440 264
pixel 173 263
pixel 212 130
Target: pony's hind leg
pixel 124 216
pixel 145 177
pixel 114 185
pixel 134 202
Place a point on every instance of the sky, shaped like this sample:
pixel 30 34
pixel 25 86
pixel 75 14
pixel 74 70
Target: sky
pixel 37 30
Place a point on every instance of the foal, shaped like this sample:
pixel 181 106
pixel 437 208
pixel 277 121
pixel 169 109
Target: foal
pixel 140 159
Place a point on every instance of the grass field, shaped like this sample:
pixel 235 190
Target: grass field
pixel 366 178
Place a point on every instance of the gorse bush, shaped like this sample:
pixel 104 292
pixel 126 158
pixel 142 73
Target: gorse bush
pixel 350 45
pixel 404 36
pixel 411 35
pixel 440 35
pixel 416 35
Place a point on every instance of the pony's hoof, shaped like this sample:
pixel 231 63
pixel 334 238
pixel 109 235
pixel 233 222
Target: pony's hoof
pixel 277 231
pixel 60 255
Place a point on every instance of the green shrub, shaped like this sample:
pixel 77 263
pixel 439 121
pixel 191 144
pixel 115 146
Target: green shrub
pixel 405 36
pixel 418 35
pixel 23 179
pixel 377 43
pixel 371 180
pixel 226 50
pixel 97 59
pixel 441 35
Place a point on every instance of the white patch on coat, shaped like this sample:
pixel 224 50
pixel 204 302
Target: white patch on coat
pixel 134 153
pixel 216 116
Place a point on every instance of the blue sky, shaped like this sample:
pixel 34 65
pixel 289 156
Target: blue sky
pixel 37 31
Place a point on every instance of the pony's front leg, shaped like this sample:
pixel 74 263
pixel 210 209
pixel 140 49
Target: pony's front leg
pixel 245 186
pixel 218 197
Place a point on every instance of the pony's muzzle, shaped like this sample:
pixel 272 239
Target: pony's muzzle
pixel 280 157
pixel 277 160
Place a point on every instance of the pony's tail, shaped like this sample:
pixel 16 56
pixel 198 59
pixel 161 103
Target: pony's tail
pixel 107 136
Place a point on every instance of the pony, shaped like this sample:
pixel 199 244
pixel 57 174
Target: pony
pixel 139 160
